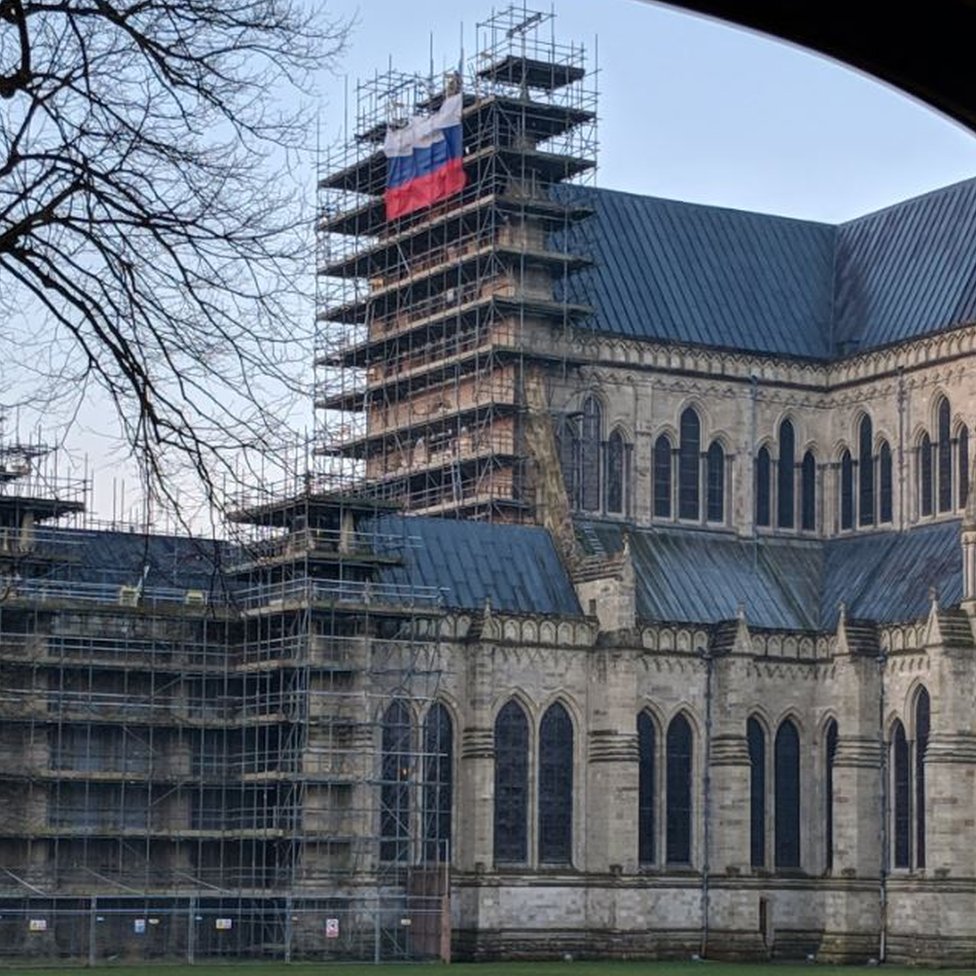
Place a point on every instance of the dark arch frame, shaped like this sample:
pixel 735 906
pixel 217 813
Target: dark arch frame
pixel 808 492
pixel 663 476
pixel 786 476
pixel 786 795
pixel 885 484
pixel 438 783
pixel 865 471
pixel 395 758
pixel 962 447
pixel 756 744
pixel 944 454
pixel 616 474
pixel 591 452
pixel 511 812
pixel 923 718
pixel 555 800
pixel 830 757
pixel 901 802
pixel 678 790
pixel 646 789
pixel 846 491
pixel 764 471
pixel 715 482
pixel 924 455
pixel 689 465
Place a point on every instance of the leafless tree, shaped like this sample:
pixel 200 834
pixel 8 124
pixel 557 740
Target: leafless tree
pixel 147 220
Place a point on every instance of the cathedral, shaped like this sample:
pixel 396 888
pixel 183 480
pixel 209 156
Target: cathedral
pixel 629 612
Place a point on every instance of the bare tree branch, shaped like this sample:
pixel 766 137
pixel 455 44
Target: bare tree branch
pixel 144 207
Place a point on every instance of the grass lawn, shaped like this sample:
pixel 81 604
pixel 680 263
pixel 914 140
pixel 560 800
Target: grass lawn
pixel 471 969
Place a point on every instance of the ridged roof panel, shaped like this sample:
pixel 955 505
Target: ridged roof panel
pixel 702 275
pixel 908 270
pixel 516 567
pixel 701 577
pixel 887 576
pixel 704 577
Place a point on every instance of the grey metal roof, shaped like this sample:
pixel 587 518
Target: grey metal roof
pixel 517 567
pixel 703 275
pixel 704 577
pixel 112 557
pixel 681 574
pixel 908 270
pixel 711 276
pixel 887 576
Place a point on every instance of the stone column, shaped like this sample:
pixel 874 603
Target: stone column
pixel 612 764
pixel 950 759
pixel 474 843
pixel 857 797
pixel 733 917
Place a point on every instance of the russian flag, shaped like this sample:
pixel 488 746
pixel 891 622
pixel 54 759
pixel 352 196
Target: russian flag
pixel 424 160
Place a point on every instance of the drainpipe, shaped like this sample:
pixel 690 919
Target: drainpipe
pixel 706 804
pixel 882 660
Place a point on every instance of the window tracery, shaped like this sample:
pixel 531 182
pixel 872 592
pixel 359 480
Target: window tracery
pixel 678 791
pixel 395 784
pixel 785 475
pixel 438 783
pixel 689 466
pixel 556 786
pixel 511 784
pixel 646 771
pixel 786 797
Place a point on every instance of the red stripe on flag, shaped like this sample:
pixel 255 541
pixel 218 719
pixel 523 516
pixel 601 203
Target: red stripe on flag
pixel 425 190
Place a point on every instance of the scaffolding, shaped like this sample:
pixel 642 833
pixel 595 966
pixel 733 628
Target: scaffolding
pixel 218 748
pixel 438 328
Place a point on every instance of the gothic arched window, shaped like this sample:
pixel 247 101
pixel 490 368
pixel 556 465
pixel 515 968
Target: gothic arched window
pixel 846 491
pixel 715 483
pixel 395 784
pixel 756 740
pixel 689 466
pixel 830 756
pixel 763 471
pixel 786 799
pixel 678 796
pixel 591 428
pixel 785 475
pixel 865 472
pixel 662 477
pixel 963 450
pixel 646 771
pixel 945 455
pixel 511 784
pixel 568 445
pixel 922 722
pixel 925 475
pixel 438 783
pixel 808 492
pixel 616 473
pixel 885 507
pixel 901 799
pixel 556 786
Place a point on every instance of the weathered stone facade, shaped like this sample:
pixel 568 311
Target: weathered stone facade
pixel 853 893
pixel 858 906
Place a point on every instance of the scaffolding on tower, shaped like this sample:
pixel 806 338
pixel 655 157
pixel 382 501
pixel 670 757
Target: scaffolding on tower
pixel 440 325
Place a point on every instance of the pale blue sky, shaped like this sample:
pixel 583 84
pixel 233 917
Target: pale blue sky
pixel 689 108
pixel 697 110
